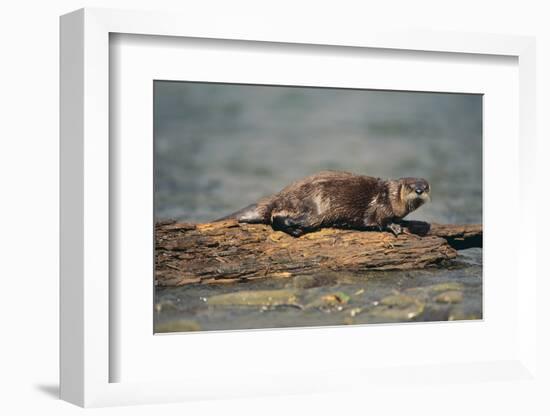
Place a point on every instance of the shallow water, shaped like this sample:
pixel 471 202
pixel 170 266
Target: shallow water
pixel 221 147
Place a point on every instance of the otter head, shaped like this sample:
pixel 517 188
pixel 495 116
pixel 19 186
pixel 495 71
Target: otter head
pixel 414 192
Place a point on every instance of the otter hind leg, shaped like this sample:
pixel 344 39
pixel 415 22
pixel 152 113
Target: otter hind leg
pixel 293 225
pixel 289 225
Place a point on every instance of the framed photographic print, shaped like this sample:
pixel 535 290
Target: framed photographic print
pixel 269 212
pixel 219 146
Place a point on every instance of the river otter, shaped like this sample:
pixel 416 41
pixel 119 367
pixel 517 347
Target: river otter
pixel 340 200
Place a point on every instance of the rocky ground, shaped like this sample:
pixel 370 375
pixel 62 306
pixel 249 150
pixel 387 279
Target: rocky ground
pixel 433 294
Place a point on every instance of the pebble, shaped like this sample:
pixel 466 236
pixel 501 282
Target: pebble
pixel 279 297
pixel 398 308
pixel 450 296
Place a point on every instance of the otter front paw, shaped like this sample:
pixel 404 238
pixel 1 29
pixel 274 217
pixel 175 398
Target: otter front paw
pixel 394 228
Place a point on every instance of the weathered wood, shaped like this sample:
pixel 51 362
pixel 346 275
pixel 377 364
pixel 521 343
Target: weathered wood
pixel 459 237
pixel 226 251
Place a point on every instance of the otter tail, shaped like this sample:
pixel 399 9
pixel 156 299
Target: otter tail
pixel 250 214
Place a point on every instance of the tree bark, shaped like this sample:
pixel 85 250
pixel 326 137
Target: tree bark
pixel 226 251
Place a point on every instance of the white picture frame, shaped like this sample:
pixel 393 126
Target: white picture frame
pixel 87 356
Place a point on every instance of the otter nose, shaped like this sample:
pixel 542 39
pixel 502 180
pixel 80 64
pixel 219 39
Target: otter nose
pixel 419 191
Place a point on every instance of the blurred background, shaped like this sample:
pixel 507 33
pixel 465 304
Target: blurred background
pixel 220 147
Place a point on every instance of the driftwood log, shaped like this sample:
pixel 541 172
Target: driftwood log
pixel 226 251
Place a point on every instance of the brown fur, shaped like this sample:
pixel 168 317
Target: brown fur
pixel 338 199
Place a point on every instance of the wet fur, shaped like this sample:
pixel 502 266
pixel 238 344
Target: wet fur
pixel 335 199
